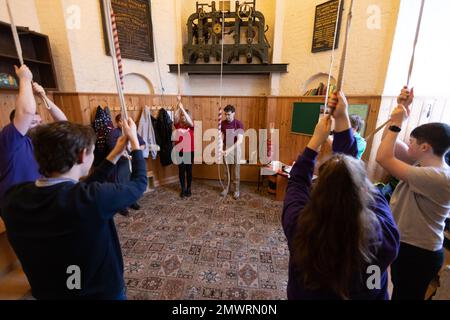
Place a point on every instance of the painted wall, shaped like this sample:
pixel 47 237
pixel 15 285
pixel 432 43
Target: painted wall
pixel 82 65
pixel 24 12
pixel 368 49
pixel 82 50
pixel 53 24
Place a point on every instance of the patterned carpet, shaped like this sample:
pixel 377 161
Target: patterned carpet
pixel 204 248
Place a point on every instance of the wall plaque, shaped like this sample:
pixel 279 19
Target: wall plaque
pixel 325 26
pixel 134 26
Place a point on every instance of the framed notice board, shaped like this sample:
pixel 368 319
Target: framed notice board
pixel 305 117
pixel 325 26
pixel 134 26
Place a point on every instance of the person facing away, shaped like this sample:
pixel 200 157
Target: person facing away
pixel 61 229
pixel 184 148
pixel 121 172
pixel 357 124
pixel 233 135
pixel 341 227
pixel 17 163
pixel 420 202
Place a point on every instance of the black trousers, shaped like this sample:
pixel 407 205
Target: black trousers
pixel 185 169
pixel 413 270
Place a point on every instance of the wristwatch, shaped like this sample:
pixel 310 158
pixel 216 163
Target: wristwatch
pixel 395 128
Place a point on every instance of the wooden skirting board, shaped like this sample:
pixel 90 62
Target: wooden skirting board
pixel 249 173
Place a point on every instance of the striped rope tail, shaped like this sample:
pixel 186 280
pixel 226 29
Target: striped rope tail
pixel 117 46
pixel 219 137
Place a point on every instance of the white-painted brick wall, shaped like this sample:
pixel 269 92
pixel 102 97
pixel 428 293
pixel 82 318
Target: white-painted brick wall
pixel 24 12
pixel 83 66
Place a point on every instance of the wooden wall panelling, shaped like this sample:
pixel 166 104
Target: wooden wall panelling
pixel 279 111
pixel 255 112
pixel 8 103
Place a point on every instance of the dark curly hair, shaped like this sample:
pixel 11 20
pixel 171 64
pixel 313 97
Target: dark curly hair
pixel 229 108
pixel 57 145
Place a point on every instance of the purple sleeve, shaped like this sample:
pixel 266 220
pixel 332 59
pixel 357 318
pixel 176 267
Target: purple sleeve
pixel 298 190
pixel 345 142
pixel 11 138
pixel 388 235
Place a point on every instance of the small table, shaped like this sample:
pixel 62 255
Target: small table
pixel 281 181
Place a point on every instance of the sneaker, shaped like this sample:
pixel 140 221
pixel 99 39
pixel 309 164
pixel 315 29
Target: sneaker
pixel 236 195
pixel 188 193
pixel 224 193
pixel 135 207
pixel 124 212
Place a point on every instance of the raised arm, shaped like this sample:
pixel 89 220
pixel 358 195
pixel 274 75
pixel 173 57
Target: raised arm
pixel 386 152
pixel 103 171
pixel 344 140
pixel 405 98
pixel 299 185
pixel 25 103
pixel 186 115
pixel 115 196
pixel 54 110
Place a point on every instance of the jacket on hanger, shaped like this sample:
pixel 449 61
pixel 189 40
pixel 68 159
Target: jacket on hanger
pixel 103 125
pixel 164 137
pixel 145 130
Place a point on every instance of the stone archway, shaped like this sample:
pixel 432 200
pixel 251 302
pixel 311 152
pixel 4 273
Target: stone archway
pixel 138 84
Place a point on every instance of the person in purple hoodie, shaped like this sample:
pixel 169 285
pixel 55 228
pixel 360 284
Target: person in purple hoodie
pixel 341 234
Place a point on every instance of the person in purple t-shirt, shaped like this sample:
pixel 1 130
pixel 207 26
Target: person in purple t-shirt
pixel 340 232
pixel 17 163
pixel 233 135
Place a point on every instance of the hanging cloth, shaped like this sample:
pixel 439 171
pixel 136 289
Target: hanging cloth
pixel 145 129
pixel 164 137
pixel 103 126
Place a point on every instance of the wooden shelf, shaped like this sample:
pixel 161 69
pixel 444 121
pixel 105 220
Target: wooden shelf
pixel 248 69
pixel 36 53
pixel 7 56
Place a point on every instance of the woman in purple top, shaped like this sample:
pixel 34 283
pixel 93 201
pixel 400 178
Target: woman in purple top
pixel 341 234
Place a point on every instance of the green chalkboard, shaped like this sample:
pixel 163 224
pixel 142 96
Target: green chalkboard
pixel 305 117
